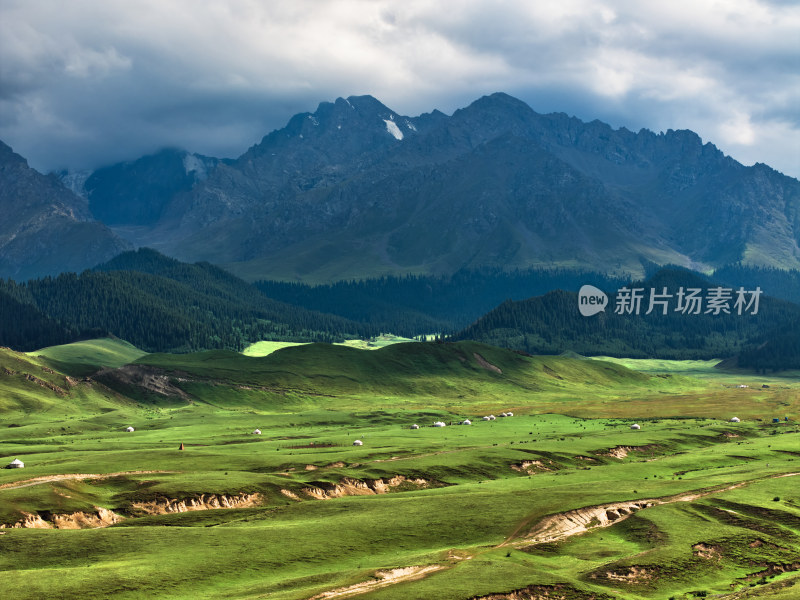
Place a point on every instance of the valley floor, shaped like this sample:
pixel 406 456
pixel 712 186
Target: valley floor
pixel 563 499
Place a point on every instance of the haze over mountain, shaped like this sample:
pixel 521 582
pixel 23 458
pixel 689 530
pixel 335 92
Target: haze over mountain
pixel 45 228
pixel 135 193
pixel 355 189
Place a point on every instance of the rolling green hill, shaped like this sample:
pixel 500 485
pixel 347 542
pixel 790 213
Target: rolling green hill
pixel 88 356
pixel 412 371
pixel 34 388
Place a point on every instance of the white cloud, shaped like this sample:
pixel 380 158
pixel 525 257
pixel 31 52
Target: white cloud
pixel 106 79
pixel 738 130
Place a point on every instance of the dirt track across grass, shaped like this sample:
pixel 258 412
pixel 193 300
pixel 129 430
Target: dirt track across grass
pixel 65 477
pixel 384 579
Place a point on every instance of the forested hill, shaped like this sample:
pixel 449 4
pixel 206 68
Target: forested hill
pixel 414 304
pixel 157 304
pixel 552 324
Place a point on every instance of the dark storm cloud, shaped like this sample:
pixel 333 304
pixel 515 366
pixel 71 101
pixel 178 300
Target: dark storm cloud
pixel 90 82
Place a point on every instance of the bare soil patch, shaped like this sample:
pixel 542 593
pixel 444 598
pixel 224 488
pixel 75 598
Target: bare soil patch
pixel 486 364
pixel 356 487
pixel 623 451
pixel 203 502
pixel 79 520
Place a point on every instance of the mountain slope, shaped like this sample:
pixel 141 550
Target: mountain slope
pixel 136 193
pixel 46 229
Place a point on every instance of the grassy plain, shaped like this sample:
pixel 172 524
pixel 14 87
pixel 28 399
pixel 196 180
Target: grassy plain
pixel 720 504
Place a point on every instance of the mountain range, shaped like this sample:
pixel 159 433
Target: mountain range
pixel 355 190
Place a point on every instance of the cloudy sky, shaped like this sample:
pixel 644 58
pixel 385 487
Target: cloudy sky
pixel 89 82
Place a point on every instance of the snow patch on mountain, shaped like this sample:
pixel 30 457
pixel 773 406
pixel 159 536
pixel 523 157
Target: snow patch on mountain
pixel 392 128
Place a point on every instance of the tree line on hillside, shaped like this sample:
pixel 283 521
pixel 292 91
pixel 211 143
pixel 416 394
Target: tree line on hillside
pixel 413 304
pixel 777 350
pixel 778 283
pixel 24 327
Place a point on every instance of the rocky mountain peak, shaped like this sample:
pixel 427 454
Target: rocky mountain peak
pixel 46 228
pixel 9 157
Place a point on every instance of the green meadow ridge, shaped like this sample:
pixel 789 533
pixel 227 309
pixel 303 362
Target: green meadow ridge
pixel 562 499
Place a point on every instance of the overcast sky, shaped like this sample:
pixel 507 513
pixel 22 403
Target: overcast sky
pixel 85 83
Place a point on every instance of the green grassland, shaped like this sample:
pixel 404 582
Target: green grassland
pixel 265 348
pixel 86 356
pixel 723 501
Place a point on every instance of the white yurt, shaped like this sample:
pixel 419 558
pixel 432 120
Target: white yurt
pixel 492 418
pixel 16 464
pixel 466 422
pixel 439 424
pixel 503 415
pixel 734 419
pixel 636 426
pixel 256 432
pixel 358 443
pixel 486 419
pixel 415 426
pixel 509 414
pixel 130 429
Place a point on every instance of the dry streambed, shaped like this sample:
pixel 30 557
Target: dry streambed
pixel 103 517
pixel 71 476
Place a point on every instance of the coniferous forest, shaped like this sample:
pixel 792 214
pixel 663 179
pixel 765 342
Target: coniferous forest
pixel 157 304
pixel 161 304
